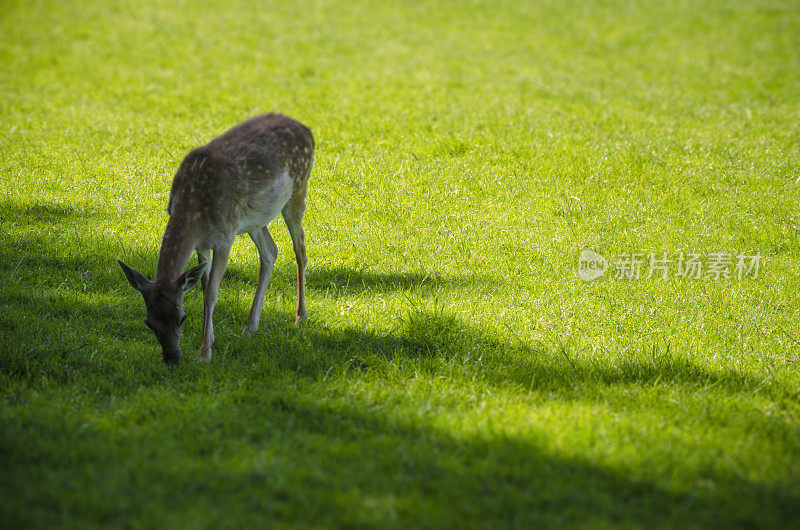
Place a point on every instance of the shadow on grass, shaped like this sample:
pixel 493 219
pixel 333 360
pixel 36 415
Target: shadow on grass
pixel 348 280
pixel 275 454
pixel 67 329
pixel 440 343
pixel 44 213
pixel 47 295
pixel 270 451
pixel 342 280
pixel 423 476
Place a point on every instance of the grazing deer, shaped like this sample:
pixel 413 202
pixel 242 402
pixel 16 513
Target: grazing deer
pixel 236 183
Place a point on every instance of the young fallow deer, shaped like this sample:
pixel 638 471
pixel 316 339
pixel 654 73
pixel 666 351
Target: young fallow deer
pixel 236 183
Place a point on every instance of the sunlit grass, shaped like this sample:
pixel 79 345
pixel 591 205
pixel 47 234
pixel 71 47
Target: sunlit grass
pixel 455 371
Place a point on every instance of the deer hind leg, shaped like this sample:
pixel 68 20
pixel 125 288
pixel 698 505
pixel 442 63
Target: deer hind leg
pixel 267 253
pixel 218 264
pixel 203 257
pixel 293 215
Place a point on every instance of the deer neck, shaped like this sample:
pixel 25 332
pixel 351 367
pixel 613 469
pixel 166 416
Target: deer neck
pixel 176 249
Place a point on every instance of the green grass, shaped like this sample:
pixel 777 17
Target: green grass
pixel 455 371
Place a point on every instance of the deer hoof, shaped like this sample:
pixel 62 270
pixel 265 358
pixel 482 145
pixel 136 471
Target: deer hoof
pixel 205 355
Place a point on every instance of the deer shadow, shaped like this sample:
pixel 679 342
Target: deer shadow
pixel 340 280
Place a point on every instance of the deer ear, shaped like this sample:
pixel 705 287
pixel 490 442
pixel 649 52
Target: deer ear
pixel 135 278
pixel 190 278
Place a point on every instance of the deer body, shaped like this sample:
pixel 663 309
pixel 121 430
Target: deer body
pixel 237 183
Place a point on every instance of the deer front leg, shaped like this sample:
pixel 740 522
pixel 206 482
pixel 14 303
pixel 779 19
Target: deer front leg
pixel 218 264
pixel 267 253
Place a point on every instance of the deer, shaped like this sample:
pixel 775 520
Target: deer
pixel 235 184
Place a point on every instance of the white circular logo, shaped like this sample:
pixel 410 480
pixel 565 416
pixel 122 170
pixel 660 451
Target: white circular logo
pixel 591 265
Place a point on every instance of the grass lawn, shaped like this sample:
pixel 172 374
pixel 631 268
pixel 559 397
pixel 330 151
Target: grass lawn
pixel 455 370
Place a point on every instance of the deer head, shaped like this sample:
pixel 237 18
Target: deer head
pixel 164 304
